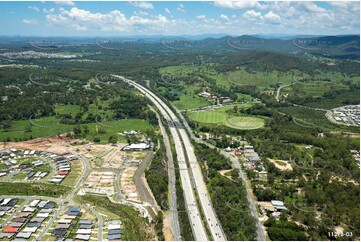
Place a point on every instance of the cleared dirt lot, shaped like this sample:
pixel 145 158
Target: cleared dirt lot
pixel 283 165
pixel 54 144
pixel 100 180
pixel 127 184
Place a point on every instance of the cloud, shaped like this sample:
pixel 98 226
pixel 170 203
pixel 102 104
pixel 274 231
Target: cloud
pixel 30 21
pixel 272 17
pixel 280 17
pixel 141 13
pixel 65 3
pixel 251 14
pixel 238 4
pixel 347 6
pixel 167 11
pixel 181 8
pixel 34 8
pixel 115 20
pixel 146 5
pixel 224 17
pixel 51 10
pixel 309 7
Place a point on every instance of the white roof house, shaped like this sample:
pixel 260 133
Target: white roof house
pixel 29 209
pixel 85 237
pixel 84 231
pixel 278 204
pixel 64 169
pixel 34 203
pixel 140 146
pixel 5 201
pixel 42 215
pixel 56 180
pixel 42 204
pixel 113 226
pixel 65 221
pixel 30 229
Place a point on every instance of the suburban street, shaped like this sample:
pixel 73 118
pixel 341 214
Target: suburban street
pixel 27 199
pixel 119 193
pixel 143 189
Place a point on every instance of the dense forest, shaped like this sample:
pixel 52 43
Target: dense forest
pixel 238 224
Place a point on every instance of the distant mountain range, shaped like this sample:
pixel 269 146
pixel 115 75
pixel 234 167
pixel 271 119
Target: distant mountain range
pixel 339 47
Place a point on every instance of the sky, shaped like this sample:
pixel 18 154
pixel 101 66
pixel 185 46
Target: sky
pixel 130 18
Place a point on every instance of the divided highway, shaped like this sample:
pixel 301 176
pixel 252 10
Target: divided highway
pixel 181 139
pixel 261 236
pixel 172 181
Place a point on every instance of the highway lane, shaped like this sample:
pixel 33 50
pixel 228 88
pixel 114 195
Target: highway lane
pixel 201 188
pixel 171 183
pixel 214 225
pixel 261 236
pixel 199 231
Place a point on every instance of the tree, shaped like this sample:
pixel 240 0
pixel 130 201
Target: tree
pixel 29 128
pixel 101 130
pixel 6 124
pixel 76 130
pixel 86 129
pixel 113 139
pixel 96 140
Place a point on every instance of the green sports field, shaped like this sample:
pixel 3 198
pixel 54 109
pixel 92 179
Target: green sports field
pixel 244 122
pixel 210 117
pixel 219 116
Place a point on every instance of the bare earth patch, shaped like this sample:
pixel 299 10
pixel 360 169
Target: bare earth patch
pixel 168 235
pixel 283 165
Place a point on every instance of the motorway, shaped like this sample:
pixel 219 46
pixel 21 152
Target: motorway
pixel 172 181
pixel 251 204
pixel 193 212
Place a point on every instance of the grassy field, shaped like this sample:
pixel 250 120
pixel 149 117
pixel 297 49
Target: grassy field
pixel 244 97
pixel 338 101
pixel 312 119
pixel 76 170
pixel 210 117
pixel 244 122
pixel 315 89
pixel 206 70
pixel 220 116
pixel 75 109
pixel 262 80
pixel 50 126
pixel 31 189
pixel 190 102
